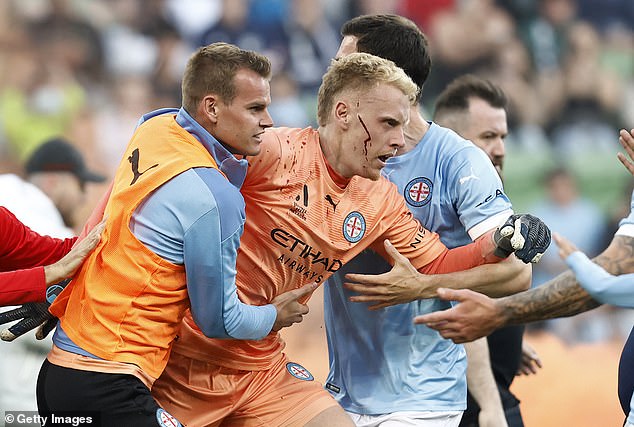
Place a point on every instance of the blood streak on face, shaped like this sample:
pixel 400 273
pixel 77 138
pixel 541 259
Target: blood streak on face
pixel 368 139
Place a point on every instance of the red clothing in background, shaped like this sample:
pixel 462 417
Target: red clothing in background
pixel 23 255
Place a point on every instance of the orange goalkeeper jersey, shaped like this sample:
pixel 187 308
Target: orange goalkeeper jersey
pixel 301 227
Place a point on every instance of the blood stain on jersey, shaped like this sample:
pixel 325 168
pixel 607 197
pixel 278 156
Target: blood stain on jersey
pixel 418 191
pixel 354 227
pixel 299 372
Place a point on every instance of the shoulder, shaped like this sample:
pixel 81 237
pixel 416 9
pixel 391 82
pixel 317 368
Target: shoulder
pixel 281 144
pixel 195 194
pixel 200 189
pixel 448 149
pixel 290 138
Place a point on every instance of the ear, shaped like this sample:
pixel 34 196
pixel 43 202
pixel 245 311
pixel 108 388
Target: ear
pixel 209 108
pixel 342 113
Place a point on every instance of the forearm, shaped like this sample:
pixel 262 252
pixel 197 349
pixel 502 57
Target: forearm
pixel 480 380
pixel 464 257
pixel 560 297
pixel 495 280
pixel 563 296
pixel 601 285
pixel 211 275
pixel 22 286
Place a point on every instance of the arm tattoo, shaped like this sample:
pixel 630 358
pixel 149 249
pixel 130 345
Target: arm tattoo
pixel 563 296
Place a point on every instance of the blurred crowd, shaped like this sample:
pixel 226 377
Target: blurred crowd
pixel 87 69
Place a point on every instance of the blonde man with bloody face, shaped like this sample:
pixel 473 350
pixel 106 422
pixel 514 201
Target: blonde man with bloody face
pixel 314 199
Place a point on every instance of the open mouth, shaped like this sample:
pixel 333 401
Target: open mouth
pixel 384 157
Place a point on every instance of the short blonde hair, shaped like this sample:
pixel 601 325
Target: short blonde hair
pixel 211 69
pixel 360 71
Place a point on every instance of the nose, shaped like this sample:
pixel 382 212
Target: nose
pixel 399 140
pixel 497 149
pixel 267 120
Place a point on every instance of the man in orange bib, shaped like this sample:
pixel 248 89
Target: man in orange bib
pixel 174 220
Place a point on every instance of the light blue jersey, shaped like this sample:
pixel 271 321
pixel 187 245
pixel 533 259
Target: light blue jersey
pixel 379 361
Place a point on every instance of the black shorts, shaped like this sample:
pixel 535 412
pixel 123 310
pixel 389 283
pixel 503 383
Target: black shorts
pixel 626 373
pixel 65 395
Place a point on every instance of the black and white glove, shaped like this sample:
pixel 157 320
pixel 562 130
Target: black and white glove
pixel 33 315
pixel 526 235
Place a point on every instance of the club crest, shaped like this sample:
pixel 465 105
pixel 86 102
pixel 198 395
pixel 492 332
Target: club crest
pixel 299 372
pixel 418 191
pixel 354 227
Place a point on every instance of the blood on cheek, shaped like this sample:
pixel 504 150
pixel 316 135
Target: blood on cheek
pixel 368 139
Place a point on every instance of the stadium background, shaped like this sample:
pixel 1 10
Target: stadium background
pixel 87 69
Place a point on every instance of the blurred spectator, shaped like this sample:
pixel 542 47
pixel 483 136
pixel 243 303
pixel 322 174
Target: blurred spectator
pixel 511 68
pixel 63 34
pixel 56 176
pixel 239 27
pixel 312 42
pixel 581 221
pixel 287 109
pixel 127 49
pixel 269 13
pixel 605 15
pixel 566 213
pixel 39 98
pixel 47 202
pixel 423 12
pixel 373 7
pixel 545 32
pixel 193 17
pixel 172 52
pixel 464 39
pixel 592 94
pixel 116 117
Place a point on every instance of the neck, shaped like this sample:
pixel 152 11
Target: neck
pixel 415 129
pixel 331 150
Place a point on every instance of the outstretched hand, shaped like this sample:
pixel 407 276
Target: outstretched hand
pixel 626 139
pixel 69 263
pixel 565 246
pixel 291 306
pixel 57 276
pixel 402 284
pixel 476 316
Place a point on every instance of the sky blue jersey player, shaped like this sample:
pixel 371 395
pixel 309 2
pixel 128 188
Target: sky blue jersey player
pixel 380 362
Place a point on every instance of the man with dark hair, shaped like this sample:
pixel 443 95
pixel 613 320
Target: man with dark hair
pixel 476 109
pixel 381 367
pixel 391 37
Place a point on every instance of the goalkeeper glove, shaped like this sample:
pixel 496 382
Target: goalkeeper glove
pixel 526 235
pixel 33 315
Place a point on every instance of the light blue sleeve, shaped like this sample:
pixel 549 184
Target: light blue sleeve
pixel 601 285
pixel 478 193
pixel 197 219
